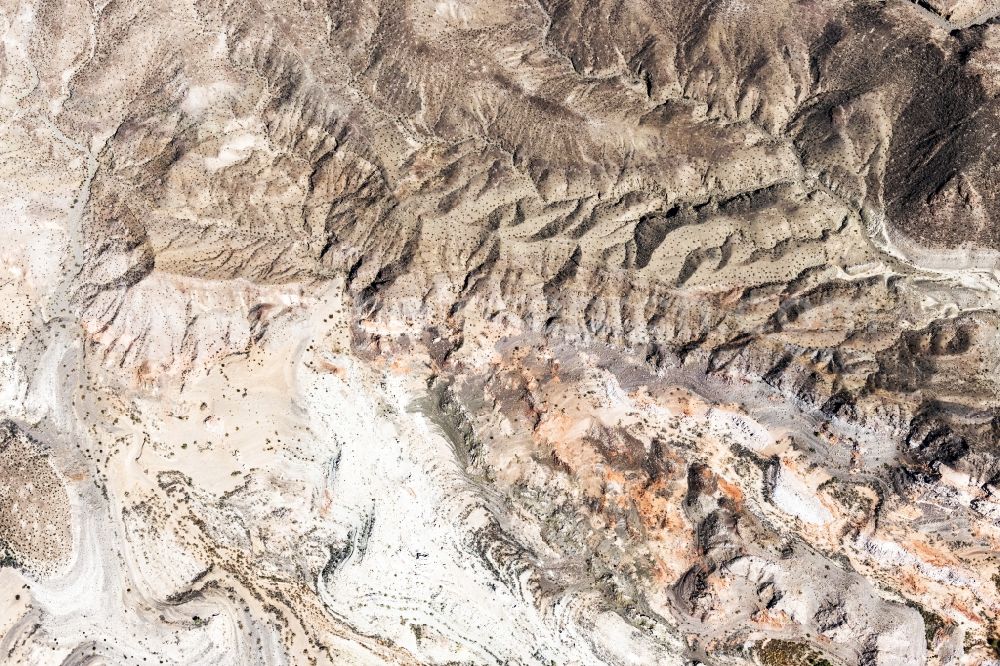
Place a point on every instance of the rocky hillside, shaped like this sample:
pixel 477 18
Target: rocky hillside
pixel 497 332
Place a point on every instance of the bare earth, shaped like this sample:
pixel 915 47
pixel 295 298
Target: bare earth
pixel 541 332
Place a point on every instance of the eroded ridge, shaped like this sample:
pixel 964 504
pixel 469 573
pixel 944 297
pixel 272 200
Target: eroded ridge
pixel 500 332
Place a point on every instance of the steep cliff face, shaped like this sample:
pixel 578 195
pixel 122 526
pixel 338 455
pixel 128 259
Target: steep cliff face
pixel 479 332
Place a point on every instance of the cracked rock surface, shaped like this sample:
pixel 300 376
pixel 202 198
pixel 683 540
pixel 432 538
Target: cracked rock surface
pixel 555 332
